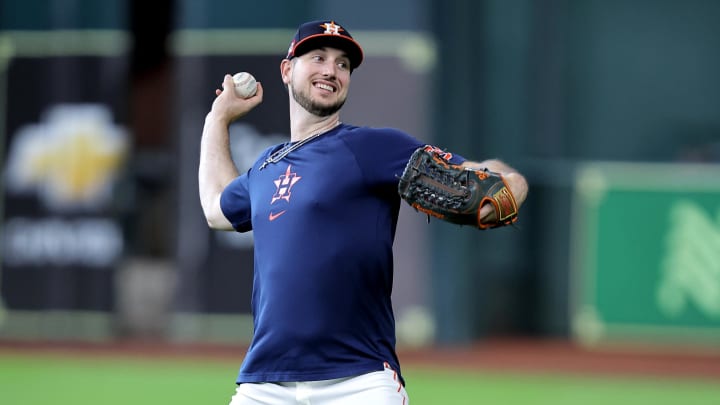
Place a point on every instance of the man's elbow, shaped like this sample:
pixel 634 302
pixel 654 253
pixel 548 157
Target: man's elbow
pixel 214 215
pixel 218 223
pixel 211 223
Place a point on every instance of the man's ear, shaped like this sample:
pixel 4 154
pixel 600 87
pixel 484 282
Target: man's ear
pixel 286 70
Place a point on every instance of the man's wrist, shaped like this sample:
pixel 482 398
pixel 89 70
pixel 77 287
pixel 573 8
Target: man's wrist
pixel 213 117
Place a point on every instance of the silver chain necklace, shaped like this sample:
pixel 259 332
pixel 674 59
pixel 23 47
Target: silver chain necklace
pixel 280 154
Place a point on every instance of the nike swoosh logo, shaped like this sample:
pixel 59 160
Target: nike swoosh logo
pixel 274 216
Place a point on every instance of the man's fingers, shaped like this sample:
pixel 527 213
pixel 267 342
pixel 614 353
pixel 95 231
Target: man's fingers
pixel 259 92
pixel 487 213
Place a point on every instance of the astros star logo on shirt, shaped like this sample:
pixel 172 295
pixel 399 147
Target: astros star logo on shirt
pixel 283 187
pixel 284 183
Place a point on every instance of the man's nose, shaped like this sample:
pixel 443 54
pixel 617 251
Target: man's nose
pixel 329 69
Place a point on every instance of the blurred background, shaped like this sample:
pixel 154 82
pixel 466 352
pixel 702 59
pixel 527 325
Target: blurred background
pixel 610 108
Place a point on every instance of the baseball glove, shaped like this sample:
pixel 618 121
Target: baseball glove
pixel 453 193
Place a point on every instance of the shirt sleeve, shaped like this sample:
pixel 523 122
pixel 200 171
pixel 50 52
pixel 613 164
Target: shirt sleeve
pixel 235 204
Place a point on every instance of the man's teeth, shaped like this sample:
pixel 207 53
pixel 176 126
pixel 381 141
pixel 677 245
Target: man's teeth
pixel 324 87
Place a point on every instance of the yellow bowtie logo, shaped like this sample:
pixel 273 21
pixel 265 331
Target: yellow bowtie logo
pixel 71 158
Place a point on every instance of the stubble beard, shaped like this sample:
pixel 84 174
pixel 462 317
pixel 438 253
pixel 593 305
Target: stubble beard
pixel 315 108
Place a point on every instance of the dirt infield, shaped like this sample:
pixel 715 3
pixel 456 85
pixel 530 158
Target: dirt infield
pixel 499 355
pixel 538 356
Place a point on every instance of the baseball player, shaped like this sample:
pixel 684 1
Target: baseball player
pixel 323 208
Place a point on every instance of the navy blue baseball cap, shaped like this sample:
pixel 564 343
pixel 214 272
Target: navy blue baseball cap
pixel 317 34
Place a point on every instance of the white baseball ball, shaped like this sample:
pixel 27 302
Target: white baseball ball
pixel 245 84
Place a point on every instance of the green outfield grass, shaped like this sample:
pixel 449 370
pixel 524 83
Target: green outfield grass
pixel 60 380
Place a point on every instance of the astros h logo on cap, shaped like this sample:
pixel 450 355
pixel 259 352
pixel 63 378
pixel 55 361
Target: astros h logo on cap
pixel 316 34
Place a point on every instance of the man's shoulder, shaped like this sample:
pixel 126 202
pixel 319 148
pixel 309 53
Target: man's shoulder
pixel 354 131
pixel 379 142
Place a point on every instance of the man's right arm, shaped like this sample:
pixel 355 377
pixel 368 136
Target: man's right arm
pixel 217 169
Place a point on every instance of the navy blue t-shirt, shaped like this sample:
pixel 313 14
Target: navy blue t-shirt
pixel 324 220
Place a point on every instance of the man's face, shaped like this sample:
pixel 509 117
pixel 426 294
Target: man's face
pixel 319 80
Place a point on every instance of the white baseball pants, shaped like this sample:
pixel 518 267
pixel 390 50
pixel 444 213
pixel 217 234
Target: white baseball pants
pixel 376 388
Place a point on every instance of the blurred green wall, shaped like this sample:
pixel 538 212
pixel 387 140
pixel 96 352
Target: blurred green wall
pixel 546 84
pixel 63 14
